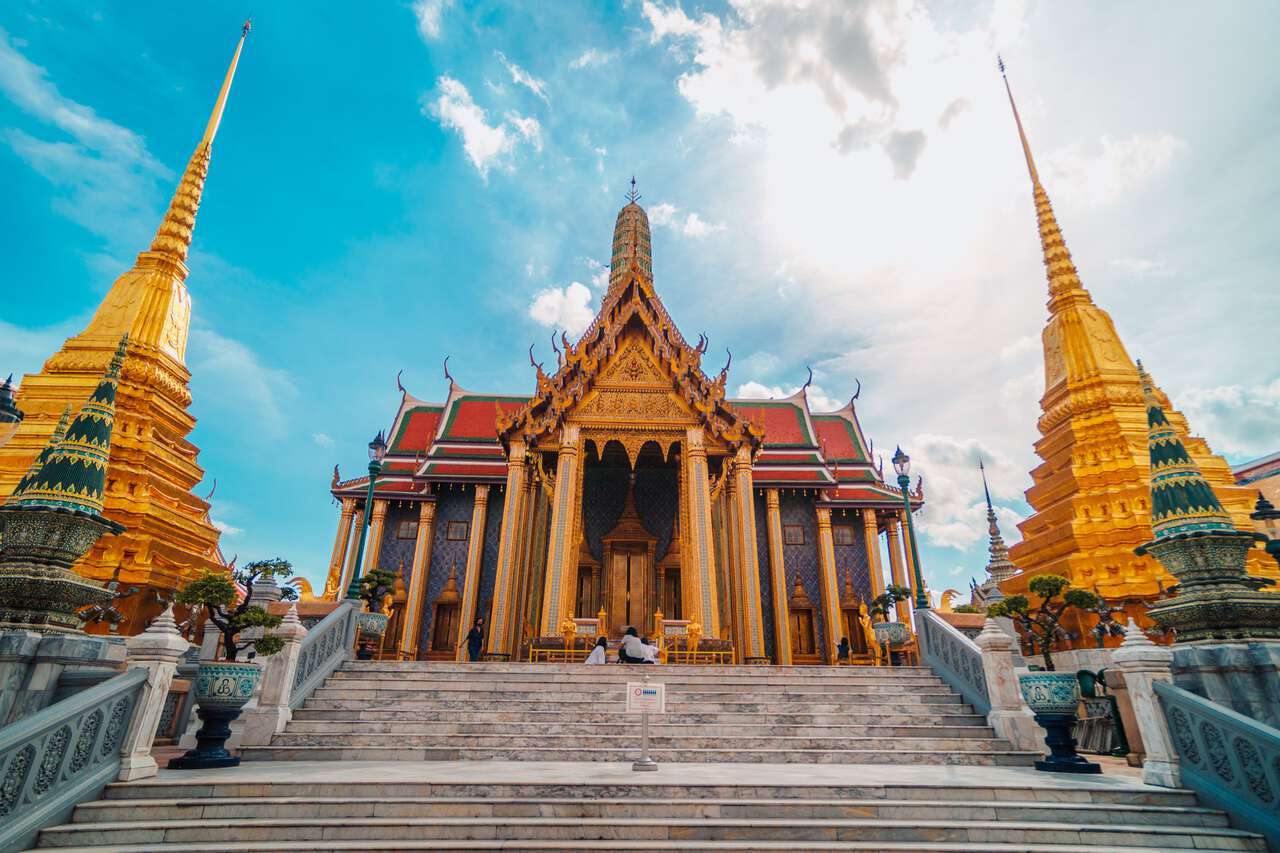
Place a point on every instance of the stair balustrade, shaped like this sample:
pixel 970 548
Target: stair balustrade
pixel 325 647
pixel 63 755
pixel 1230 760
pixel 954 657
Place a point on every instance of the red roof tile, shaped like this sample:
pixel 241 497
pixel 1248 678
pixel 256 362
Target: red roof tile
pixel 417 428
pixel 784 423
pixel 474 417
pixel 837 438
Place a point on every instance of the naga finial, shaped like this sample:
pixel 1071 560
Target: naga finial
pixel 333 484
pixel 556 348
pixel 447 374
pixel 399 385
pixel 808 381
pixel 209 496
pixel 724 371
pixel 857 393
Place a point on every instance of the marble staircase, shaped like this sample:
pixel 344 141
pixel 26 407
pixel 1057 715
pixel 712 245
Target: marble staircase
pixel 540 712
pixel 371 806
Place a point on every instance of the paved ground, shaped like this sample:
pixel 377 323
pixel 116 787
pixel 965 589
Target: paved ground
pixel 494 772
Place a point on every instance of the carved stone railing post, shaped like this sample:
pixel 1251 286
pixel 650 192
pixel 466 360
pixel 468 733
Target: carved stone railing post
pixel 323 649
pixel 1009 715
pixel 1144 663
pixel 157 650
pixel 272 713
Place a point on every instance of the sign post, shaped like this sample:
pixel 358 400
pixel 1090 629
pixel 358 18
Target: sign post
pixel 645 697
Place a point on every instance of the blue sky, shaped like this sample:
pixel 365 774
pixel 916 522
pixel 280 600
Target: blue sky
pixel 834 184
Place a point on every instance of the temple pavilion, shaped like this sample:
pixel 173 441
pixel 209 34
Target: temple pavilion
pixel 625 489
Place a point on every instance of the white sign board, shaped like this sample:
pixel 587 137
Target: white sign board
pixel 646 697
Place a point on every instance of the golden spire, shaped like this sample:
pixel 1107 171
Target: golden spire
pixel 173 239
pixel 1064 281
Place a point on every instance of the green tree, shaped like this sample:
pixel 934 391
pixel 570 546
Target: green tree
pixel 216 593
pixel 375 587
pixel 882 605
pixel 1043 623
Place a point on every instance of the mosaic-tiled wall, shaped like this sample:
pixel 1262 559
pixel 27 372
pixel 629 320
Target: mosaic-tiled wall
pixel 766 575
pixel 489 557
pixel 802 560
pixel 394 549
pixel 853 558
pixel 604 492
pixel 657 499
pixel 452 504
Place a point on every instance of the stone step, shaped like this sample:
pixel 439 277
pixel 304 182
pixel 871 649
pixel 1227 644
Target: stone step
pixel 658 727
pixel 587 690
pixel 544 669
pixel 898 754
pixel 613 846
pixel 180 786
pixel 535 680
pixel 907 716
pixel 579 702
pixel 630 740
pixel 216 831
pixel 156 810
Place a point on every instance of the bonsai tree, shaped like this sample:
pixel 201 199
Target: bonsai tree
pixel 1043 623
pixel 966 608
pixel 216 593
pixel 375 587
pixel 882 605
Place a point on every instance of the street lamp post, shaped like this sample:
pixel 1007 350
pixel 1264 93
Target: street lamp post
pixel 377 449
pixel 902 464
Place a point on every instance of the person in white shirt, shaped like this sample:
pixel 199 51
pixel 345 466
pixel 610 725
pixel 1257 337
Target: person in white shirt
pixel 600 652
pixel 650 651
pixel 632 648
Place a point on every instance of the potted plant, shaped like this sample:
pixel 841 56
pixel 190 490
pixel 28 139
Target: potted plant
pixel 374 589
pixel 223 687
pixel 888 633
pixel 1054 697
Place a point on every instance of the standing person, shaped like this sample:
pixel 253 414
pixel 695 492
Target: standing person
pixel 475 638
pixel 600 652
pixel 842 650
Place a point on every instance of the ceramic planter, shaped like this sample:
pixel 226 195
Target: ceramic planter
pixel 223 688
pixel 1054 697
pixel 372 624
pixel 891 633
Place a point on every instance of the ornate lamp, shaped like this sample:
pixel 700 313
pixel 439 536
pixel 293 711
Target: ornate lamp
pixel 377 449
pixel 902 465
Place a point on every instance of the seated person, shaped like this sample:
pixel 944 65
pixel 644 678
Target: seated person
pixel 598 654
pixel 650 651
pixel 632 648
pixel 842 650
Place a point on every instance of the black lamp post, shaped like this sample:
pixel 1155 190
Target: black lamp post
pixel 902 464
pixel 377 449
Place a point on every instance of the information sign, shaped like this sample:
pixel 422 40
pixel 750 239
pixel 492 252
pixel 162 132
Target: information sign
pixel 646 697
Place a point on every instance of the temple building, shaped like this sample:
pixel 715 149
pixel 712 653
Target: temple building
pixel 1090 496
pixel 169 537
pixel 624 489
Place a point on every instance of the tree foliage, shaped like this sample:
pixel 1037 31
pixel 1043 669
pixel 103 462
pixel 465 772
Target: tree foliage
pixel 216 593
pixel 375 587
pixel 1043 623
pixel 882 605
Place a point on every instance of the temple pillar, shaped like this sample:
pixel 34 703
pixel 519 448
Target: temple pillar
pixel 357 524
pixel 911 558
pixel 375 536
pixel 748 560
pixel 871 538
pixel 504 609
pixel 778 574
pixel 895 567
pixel 471 580
pixel 560 550
pixel 830 588
pixel 698 485
pixel 412 628
pixel 730 535
pixel 341 542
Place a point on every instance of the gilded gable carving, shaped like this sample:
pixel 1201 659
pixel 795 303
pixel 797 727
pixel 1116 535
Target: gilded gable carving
pixel 633 406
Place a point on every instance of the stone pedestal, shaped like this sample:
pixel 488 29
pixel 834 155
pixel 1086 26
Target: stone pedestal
pixel 157 650
pixel 272 713
pixel 1143 663
pixel 1244 677
pixel 1009 716
pixel 31 664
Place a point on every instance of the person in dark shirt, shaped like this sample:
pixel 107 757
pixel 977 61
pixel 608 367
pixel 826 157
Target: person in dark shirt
pixel 475 638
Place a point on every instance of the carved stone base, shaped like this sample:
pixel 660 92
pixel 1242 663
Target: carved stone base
pixel 1062 757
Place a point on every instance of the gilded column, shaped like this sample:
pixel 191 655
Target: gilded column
pixel 503 610
pixel 778 573
pixel 871 538
pixel 475 554
pixel 375 535
pixel 705 609
pixel 830 588
pixel 748 558
pixel 729 537
pixel 559 548
pixel 895 566
pixel 911 559
pixel 521 564
pixel 341 542
pixel 418 579
pixel 356 524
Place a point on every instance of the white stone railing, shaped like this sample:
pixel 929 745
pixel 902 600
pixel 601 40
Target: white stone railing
pixel 954 657
pixel 321 651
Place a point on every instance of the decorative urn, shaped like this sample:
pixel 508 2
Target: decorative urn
pixel 223 688
pixel 1051 692
pixel 891 633
pixel 1054 698
pixel 372 624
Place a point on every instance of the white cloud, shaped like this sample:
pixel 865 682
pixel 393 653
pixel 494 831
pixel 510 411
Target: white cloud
pixel 1019 348
pixel 1242 421
pixel 226 529
pixel 24 350
pixel 599 274
pixel 429 13
pixel 666 215
pixel 593 57
pixel 231 374
pixel 1095 176
pixel 567 308
pixel 1142 267
pixel 322 439
pixel 523 78
pixel 819 400
pixel 955 513
pixel 487 145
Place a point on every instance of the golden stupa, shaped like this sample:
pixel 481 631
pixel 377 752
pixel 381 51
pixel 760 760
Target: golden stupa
pixel 1091 495
pixel 169 537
